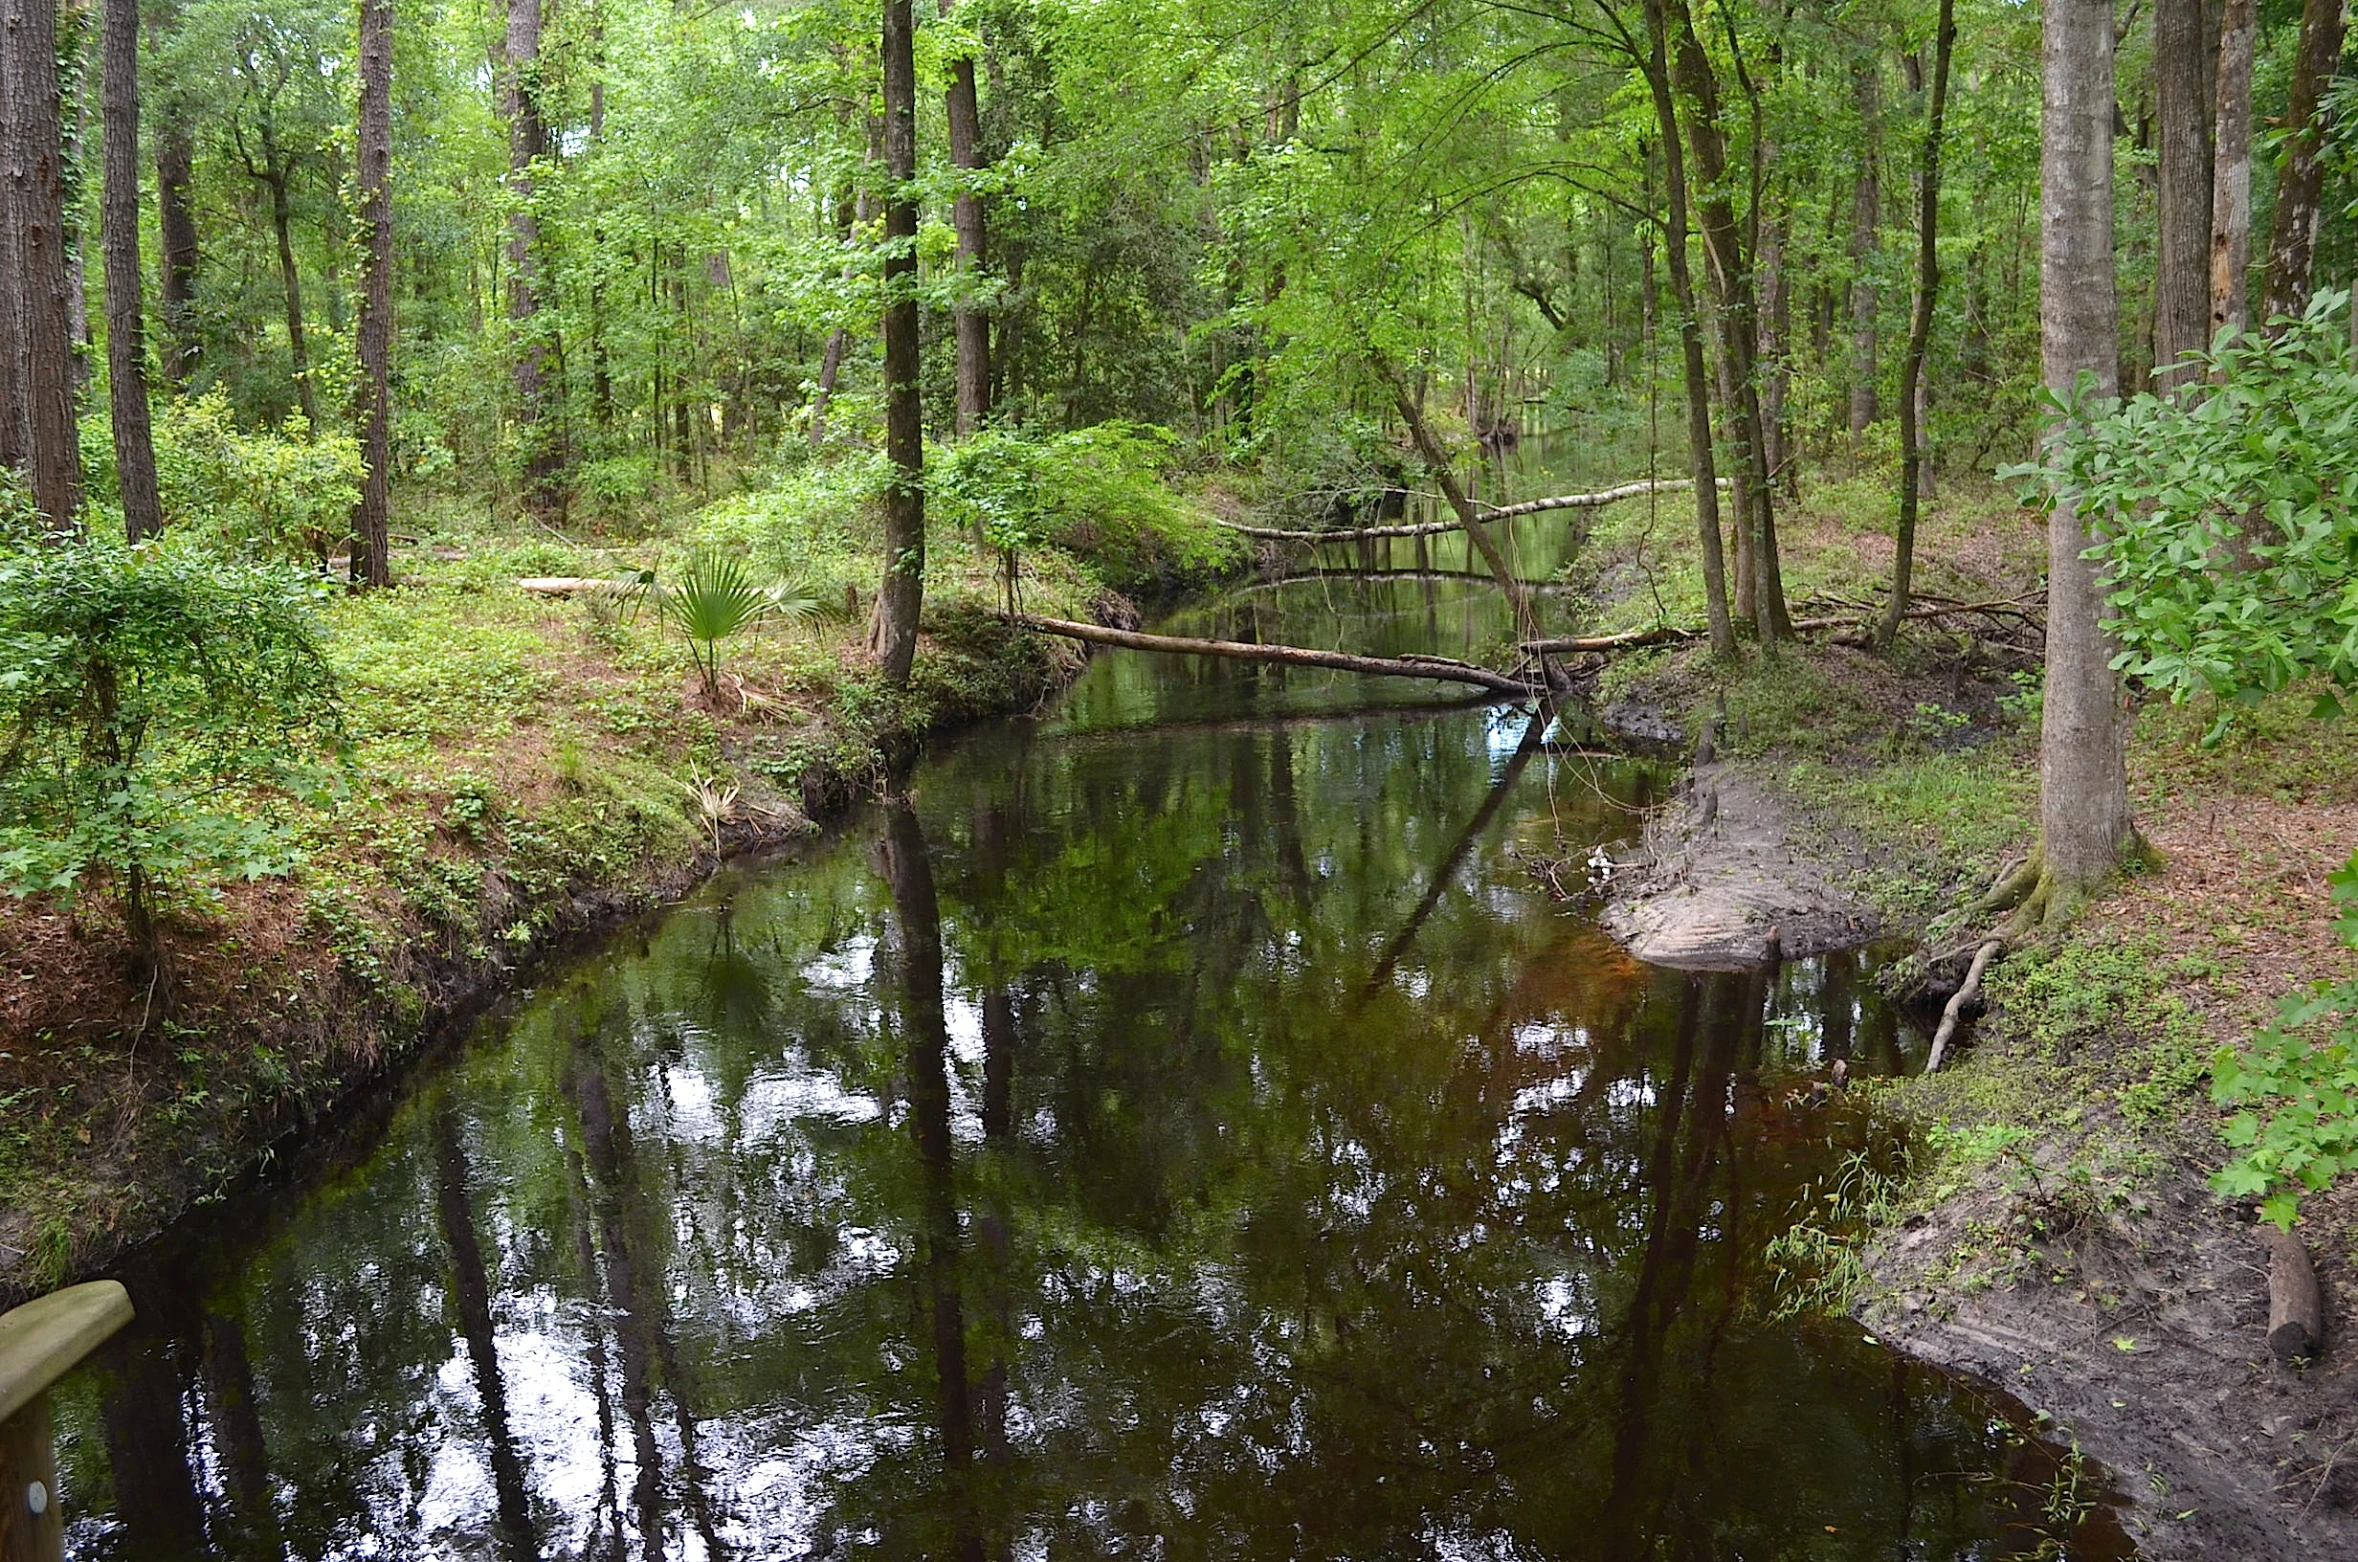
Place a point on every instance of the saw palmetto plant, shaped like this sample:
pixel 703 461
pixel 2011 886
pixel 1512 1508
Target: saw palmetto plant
pixel 715 597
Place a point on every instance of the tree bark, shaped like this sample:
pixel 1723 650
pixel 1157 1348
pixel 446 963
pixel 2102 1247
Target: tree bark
pixel 1911 412
pixel 36 173
pixel 893 635
pixel 177 233
pixel 2084 825
pixel 2231 169
pixel 1436 459
pixel 282 223
pixel 16 435
pixel 1731 277
pixel 1866 217
pixel 1654 62
pixel 973 326
pixel 371 557
pixel 118 225
pixel 528 140
pixel 2181 303
pixel 2300 184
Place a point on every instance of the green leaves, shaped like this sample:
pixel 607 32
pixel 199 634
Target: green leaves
pixel 2228 525
pixel 155 702
pixel 2298 1086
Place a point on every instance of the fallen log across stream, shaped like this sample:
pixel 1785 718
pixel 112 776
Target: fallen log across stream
pixel 1597 500
pixel 1437 669
pixel 1674 634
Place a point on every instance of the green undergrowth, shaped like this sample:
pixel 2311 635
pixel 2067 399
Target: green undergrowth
pixel 521 768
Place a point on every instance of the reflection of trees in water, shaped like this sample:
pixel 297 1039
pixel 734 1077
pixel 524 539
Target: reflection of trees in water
pixel 470 1295
pixel 1048 1173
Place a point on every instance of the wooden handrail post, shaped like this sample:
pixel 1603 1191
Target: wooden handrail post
pixel 41 1342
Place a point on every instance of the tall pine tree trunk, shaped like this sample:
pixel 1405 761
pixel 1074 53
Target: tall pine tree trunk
pixel 371 556
pixel 2300 184
pixel 35 158
pixel 16 433
pixel 2084 826
pixel 966 214
pixel 1911 412
pixel 118 229
pixel 893 634
pixel 2181 304
pixel 527 141
pixel 176 231
pixel 1866 219
pixel 2231 169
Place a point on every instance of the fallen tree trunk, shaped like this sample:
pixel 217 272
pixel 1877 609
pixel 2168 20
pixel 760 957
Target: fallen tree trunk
pixel 1435 669
pixel 1597 500
pixel 567 585
pixel 2296 1310
pixel 1671 634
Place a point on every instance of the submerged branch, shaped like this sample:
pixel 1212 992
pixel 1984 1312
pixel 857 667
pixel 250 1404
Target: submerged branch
pixel 1437 669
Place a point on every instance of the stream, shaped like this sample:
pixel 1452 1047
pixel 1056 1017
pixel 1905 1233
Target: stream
pixel 1180 1129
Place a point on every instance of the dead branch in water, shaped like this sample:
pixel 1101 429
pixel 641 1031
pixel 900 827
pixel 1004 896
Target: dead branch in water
pixel 1593 501
pixel 1436 669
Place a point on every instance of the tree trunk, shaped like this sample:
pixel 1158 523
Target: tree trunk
pixel 2231 169
pixel 282 223
pixel 1866 216
pixel 2300 185
pixel 16 435
pixel 2084 822
pixel 371 560
pixel 1690 331
pixel 2181 284
pixel 176 229
pixel 1731 278
pixel 893 635
pixel 118 227
pixel 1436 459
pixel 36 171
pixel 966 214
pixel 528 140
pixel 1911 410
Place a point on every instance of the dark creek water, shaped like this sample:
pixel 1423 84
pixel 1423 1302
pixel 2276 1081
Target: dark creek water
pixel 1181 1131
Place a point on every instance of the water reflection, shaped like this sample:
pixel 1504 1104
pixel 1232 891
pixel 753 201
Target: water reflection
pixel 1201 1143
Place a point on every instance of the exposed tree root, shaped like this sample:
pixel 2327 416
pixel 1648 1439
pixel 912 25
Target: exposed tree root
pixel 1966 992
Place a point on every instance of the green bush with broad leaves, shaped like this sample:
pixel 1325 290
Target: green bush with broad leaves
pixel 158 705
pixel 2296 1090
pixel 277 494
pixel 1096 492
pixel 2228 532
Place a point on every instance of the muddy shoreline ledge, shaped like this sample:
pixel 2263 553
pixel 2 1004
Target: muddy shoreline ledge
pixel 2132 1322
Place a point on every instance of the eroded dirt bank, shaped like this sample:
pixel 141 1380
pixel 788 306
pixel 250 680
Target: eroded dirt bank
pixel 2056 1235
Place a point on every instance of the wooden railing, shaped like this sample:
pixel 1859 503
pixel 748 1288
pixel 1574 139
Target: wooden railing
pixel 41 1342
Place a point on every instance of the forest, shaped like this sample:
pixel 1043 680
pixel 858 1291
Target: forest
pixel 471 474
